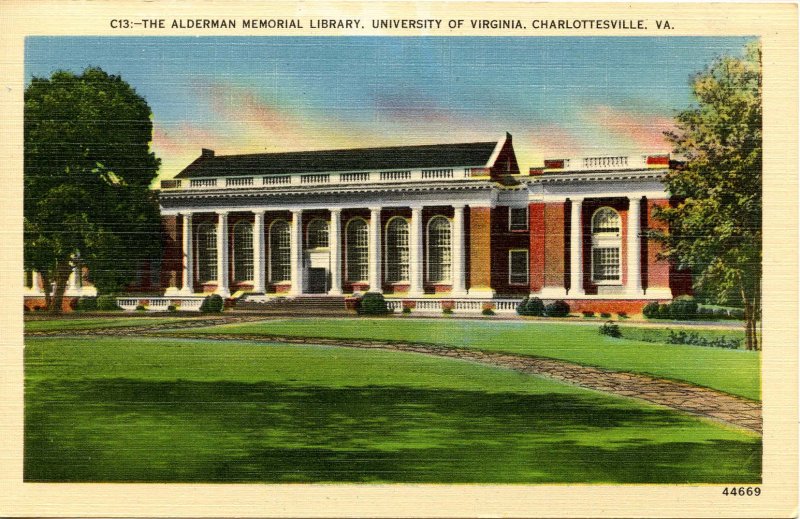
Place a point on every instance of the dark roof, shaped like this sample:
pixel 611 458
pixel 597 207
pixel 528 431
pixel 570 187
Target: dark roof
pixel 364 159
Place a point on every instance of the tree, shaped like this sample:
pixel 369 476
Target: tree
pixel 88 168
pixel 715 225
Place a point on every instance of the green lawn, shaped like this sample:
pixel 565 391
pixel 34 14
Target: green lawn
pixel 120 409
pixel 92 323
pixel 732 371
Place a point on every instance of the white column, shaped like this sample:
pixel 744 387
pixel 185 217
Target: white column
pixel 415 252
pixel 75 277
pixel 187 280
pixel 36 282
pixel 375 277
pixel 459 270
pixel 259 286
pixel 634 247
pixel 223 281
pixel 335 247
pixel 576 249
pixel 296 252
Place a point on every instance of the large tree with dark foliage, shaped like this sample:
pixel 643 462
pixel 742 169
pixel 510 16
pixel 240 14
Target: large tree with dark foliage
pixel 715 228
pixel 88 170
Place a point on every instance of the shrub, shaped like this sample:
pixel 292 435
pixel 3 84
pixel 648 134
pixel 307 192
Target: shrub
pixel 605 315
pixel 622 315
pixel 695 339
pixel 447 311
pixel 683 309
pixel 406 310
pixel 558 308
pixel 650 310
pixel 611 329
pixel 212 304
pixel 587 313
pixel 86 304
pixel 736 313
pixel 140 308
pixel 172 308
pixel 531 306
pixel 25 308
pixel 663 312
pixel 372 303
pixel 107 302
pixel 705 313
pixel 487 311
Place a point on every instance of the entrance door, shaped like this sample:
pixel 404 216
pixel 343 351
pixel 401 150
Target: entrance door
pixel 317 280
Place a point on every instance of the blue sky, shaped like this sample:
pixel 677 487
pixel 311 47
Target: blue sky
pixel 557 96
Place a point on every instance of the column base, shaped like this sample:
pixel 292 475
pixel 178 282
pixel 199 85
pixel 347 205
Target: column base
pixel 415 293
pixel 189 291
pixel 223 293
pixel 172 291
pixel 482 292
pixel 458 293
pixel 375 290
pixel 335 292
pixel 551 293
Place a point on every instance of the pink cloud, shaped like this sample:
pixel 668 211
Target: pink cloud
pixel 643 131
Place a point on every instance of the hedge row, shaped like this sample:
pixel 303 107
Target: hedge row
pixel 686 308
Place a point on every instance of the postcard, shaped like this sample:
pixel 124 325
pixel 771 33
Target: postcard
pixel 399 259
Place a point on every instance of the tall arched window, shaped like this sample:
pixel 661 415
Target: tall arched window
pixel 439 251
pixel 243 251
pixel 280 266
pixel 606 247
pixel 397 251
pixel 207 252
pixel 357 250
pixel 317 233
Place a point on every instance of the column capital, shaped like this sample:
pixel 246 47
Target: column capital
pixel 335 210
pixel 635 198
pixel 458 206
pixel 186 213
pixel 576 198
pixel 416 207
pixel 296 210
pixel 222 212
pixel 375 209
pixel 259 212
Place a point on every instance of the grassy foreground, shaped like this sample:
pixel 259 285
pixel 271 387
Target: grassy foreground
pixel 732 371
pixel 126 409
pixel 94 323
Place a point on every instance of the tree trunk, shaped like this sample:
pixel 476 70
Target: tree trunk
pixel 46 288
pixel 63 271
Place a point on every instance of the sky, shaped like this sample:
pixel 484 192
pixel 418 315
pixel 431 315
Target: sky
pixel 558 96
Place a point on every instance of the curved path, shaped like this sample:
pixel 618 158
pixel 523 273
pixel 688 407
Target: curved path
pixel 681 396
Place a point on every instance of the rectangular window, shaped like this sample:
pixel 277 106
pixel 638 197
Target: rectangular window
pixel 517 218
pixel 605 264
pixel 518 267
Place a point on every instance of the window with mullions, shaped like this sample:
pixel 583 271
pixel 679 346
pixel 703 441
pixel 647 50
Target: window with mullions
pixel 243 251
pixel 397 250
pixel 280 266
pixel 518 267
pixel 207 252
pixel 439 251
pixel 606 246
pixel 517 218
pixel 357 250
pixel 317 234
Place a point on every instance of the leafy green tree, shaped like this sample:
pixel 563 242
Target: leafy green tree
pixel 88 168
pixel 715 227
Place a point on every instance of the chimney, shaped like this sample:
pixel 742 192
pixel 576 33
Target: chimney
pixel 207 154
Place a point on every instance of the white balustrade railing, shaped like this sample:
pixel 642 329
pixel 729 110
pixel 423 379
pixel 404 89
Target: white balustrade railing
pixel 605 162
pixel 323 178
pixel 238 181
pixel 437 174
pixel 279 180
pixel 161 304
pixel 361 176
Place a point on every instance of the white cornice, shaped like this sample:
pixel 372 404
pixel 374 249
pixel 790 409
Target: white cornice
pixel 596 176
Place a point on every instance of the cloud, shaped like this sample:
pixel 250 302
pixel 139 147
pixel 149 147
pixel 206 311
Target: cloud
pixel 637 130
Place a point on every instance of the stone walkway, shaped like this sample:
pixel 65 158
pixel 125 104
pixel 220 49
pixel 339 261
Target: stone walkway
pixel 681 396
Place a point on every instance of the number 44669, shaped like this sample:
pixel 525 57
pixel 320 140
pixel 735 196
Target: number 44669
pixel 741 491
